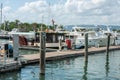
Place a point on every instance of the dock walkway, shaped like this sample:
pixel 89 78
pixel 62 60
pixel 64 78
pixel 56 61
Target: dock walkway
pixel 31 58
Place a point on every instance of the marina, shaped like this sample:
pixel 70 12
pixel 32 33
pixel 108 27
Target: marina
pixel 47 52
pixel 59 40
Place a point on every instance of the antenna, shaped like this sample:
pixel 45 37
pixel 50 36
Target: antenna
pixel 1 16
pixel 4 22
pixel 42 22
pixel 49 13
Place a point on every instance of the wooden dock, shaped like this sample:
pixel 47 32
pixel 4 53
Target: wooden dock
pixel 56 55
pixel 32 58
pixel 10 66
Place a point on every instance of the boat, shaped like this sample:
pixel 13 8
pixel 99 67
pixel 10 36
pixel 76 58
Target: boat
pixel 28 35
pixel 104 34
pixel 77 36
pixel 95 37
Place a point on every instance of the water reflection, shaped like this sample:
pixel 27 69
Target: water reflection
pixel 60 63
pixel 85 70
pixel 59 69
pixel 28 52
pixel 42 77
pixel 8 76
pixel 107 64
pixel 68 61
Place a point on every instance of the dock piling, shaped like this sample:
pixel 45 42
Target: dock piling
pixel 107 55
pixel 107 65
pixel 42 52
pixel 5 58
pixel 60 44
pixel 86 47
pixel 15 47
pixel 108 44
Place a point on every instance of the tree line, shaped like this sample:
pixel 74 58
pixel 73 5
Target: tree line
pixel 25 26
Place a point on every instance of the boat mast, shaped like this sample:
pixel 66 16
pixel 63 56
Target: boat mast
pixel 1 16
pixel 42 22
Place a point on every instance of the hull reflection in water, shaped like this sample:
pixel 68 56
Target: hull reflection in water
pixel 99 67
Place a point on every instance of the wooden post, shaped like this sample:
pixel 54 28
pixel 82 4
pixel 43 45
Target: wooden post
pixel 60 44
pixel 42 52
pixel 5 58
pixel 86 47
pixel 107 55
pixel 73 43
pixel 108 43
pixel 85 70
pixel 15 47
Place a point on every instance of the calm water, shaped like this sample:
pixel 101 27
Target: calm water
pixel 21 52
pixel 98 68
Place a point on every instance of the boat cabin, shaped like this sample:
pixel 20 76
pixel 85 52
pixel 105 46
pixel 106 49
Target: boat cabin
pixel 52 37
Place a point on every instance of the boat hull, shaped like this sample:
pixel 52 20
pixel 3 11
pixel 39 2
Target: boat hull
pixel 93 42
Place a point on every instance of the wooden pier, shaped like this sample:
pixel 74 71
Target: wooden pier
pixel 10 66
pixel 56 55
pixel 30 58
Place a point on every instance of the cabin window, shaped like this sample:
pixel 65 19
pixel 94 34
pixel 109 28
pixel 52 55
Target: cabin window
pixel 82 34
pixel 77 30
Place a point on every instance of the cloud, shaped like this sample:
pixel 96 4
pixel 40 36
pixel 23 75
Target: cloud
pixel 32 11
pixel 6 12
pixel 82 5
pixel 92 7
pixel 69 11
pixel 6 9
pixel 100 11
pixel 33 7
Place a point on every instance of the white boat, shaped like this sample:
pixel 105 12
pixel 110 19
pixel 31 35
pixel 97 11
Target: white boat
pixel 95 38
pixel 115 36
pixel 3 32
pixel 77 36
pixel 59 29
pixel 28 35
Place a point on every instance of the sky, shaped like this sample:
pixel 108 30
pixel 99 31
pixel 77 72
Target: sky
pixel 65 12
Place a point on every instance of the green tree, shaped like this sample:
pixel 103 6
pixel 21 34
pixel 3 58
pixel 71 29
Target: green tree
pixel 25 26
pixel 34 26
pixel 6 25
pixel 17 22
pixel 51 27
pixel 12 25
